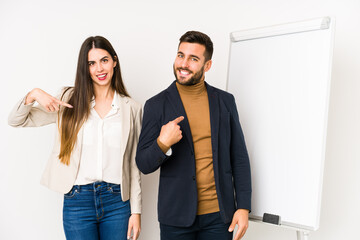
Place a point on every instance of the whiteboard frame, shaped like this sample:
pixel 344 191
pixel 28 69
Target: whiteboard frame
pixel 324 23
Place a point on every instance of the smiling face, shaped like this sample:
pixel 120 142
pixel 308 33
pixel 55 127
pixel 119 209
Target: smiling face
pixel 101 67
pixel 190 65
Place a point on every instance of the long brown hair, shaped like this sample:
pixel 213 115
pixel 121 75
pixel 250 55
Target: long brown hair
pixel 81 94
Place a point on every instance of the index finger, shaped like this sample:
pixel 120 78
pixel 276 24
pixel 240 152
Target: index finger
pixel 178 119
pixel 64 104
pixel 129 232
pixel 240 233
pixel 136 235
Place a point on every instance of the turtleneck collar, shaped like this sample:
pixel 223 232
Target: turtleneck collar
pixel 196 89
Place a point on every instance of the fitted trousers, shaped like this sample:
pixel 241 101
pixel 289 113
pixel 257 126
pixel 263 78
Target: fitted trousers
pixel 95 212
pixel 206 227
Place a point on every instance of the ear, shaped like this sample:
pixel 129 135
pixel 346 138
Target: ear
pixel 115 61
pixel 208 65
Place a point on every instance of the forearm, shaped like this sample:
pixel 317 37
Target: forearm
pixel 240 163
pixel 149 159
pixel 242 177
pixel 135 189
pixel 27 115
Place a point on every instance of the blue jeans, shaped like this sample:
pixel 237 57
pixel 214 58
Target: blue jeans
pixel 206 227
pixel 95 211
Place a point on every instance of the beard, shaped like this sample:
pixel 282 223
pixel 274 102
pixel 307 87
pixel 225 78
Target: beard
pixel 193 80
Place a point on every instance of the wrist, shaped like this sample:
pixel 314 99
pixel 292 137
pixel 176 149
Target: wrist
pixel 163 146
pixel 30 98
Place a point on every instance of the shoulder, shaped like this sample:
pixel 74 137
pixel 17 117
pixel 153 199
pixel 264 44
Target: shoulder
pixel 132 103
pixel 159 99
pixel 65 93
pixel 223 95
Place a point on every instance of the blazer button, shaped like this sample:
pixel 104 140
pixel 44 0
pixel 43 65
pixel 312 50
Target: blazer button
pixel 194 178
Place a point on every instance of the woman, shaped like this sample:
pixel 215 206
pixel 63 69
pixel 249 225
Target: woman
pixel 93 159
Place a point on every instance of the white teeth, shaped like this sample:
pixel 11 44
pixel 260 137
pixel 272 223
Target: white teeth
pixel 103 75
pixel 184 72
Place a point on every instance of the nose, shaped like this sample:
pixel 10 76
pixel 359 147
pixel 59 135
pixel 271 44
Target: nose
pixel 185 63
pixel 99 67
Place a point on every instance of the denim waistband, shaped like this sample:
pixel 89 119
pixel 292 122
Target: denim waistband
pixel 96 186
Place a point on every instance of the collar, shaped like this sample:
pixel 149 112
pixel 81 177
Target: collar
pixel 115 102
pixel 192 90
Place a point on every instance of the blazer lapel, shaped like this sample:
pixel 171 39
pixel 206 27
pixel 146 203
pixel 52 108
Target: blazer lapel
pixel 214 122
pixel 178 107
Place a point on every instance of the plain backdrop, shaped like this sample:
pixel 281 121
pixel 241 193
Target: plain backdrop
pixel 39 45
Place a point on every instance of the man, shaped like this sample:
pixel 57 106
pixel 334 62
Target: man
pixel 192 131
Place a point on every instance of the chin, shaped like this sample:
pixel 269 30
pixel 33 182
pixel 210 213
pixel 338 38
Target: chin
pixel 104 83
pixel 182 82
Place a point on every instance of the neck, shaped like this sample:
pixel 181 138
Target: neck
pixel 195 89
pixel 103 92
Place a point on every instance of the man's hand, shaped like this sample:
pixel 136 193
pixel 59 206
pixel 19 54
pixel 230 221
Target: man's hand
pixel 241 218
pixel 170 133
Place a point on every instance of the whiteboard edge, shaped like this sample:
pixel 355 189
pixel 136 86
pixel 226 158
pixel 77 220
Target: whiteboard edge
pixel 228 66
pixel 282 29
pixel 332 41
pixel 287 225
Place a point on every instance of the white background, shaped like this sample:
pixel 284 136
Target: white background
pixel 39 44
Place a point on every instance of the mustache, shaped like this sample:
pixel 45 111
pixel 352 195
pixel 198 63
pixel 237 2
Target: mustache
pixel 186 69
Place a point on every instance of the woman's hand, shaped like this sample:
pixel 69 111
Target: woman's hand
pixel 134 226
pixel 50 103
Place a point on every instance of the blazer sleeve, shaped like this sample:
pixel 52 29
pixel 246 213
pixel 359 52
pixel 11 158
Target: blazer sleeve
pixel 30 116
pixel 135 180
pixel 240 162
pixel 149 156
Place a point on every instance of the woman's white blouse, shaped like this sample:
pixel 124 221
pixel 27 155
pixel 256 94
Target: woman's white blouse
pixel 100 156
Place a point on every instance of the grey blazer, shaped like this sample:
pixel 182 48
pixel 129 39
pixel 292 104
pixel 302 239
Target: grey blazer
pixel 60 177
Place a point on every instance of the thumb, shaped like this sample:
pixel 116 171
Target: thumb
pixel 232 225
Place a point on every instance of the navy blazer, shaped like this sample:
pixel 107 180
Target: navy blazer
pixel 177 199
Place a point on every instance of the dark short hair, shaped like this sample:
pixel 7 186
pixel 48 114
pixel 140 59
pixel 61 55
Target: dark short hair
pixel 200 38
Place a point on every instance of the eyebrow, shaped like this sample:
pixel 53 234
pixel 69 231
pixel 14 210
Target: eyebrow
pixel 105 57
pixel 190 55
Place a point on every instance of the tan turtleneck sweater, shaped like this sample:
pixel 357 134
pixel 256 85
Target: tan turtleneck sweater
pixel 196 104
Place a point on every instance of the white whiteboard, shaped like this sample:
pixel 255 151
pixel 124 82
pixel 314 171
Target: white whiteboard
pixel 280 77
